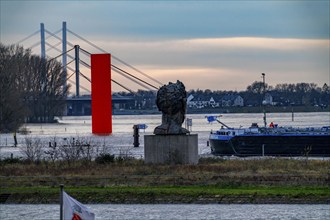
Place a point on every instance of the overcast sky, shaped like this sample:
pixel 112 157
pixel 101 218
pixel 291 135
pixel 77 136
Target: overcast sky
pixel 220 45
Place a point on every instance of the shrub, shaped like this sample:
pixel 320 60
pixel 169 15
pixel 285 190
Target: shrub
pixel 11 160
pixel 105 158
pixel 32 149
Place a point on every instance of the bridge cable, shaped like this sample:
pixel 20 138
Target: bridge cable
pixel 139 71
pixel 80 73
pixel 113 66
pixel 72 70
pixel 88 53
pixel 123 87
pixel 61 54
pixel 61 51
pixel 85 51
pixel 70 76
pixel 34 45
pixel 117 69
pixel 53 34
pixel 80 86
pixel 73 59
pixel 137 82
pixel 38 43
pixel 68 63
pixel 119 84
pixel 85 64
pixel 31 35
pixel 62 66
pixel 88 66
pixel 116 58
pixel 52 46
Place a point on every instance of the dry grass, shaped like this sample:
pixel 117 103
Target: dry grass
pixel 273 171
pixel 269 180
pixel 137 167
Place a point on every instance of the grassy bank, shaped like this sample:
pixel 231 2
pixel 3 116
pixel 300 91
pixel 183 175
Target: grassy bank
pixel 172 194
pixel 272 180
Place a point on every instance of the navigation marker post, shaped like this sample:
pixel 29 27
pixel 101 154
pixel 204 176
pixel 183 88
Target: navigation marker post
pixel 101 94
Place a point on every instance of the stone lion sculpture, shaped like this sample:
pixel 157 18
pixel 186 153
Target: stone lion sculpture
pixel 172 102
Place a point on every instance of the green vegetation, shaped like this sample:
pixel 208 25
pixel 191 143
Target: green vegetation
pixel 172 194
pixel 213 180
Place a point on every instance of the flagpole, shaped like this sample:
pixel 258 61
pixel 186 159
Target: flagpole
pixel 61 201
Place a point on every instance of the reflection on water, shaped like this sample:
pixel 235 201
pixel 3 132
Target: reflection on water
pixel 177 211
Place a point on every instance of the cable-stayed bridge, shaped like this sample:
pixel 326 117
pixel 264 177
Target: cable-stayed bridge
pixel 75 60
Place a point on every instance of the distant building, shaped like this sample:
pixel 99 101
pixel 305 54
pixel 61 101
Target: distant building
pixel 232 100
pixel 213 103
pixel 202 104
pixel 268 99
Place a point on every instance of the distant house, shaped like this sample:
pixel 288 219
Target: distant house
pixel 268 99
pixel 238 101
pixel 201 104
pixel 213 103
pixel 232 100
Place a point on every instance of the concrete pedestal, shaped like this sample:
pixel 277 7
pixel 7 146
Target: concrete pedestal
pixel 171 149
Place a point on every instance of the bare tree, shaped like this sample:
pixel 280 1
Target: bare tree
pixel 31 88
pixel 53 150
pixel 44 94
pixel 88 148
pixel 75 149
pixel 32 149
pixel 12 109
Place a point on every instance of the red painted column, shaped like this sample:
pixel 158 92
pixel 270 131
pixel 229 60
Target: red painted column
pixel 101 94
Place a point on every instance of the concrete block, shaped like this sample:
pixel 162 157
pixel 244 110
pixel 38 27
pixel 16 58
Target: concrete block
pixel 171 149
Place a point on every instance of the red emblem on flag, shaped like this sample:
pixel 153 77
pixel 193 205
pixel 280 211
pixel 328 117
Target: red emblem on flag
pixel 76 217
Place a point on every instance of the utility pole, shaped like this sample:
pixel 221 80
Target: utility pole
pixel 264 93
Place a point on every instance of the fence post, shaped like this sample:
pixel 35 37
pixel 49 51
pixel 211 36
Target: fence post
pixel 136 135
pixel 61 201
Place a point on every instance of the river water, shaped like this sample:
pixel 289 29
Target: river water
pixel 177 211
pixel 121 141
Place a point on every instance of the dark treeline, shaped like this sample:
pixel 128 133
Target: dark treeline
pixel 282 94
pixel 31 88
pixel 299 94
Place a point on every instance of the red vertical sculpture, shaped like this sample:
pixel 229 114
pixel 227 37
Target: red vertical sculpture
pixel 101 94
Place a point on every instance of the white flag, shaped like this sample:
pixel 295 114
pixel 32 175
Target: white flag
pixel 74 210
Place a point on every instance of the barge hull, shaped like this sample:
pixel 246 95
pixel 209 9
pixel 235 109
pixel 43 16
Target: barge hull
pixel 273 145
